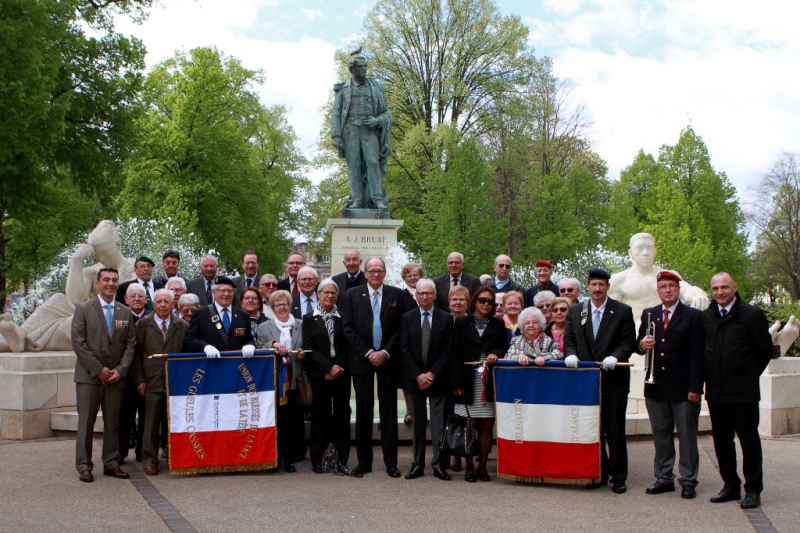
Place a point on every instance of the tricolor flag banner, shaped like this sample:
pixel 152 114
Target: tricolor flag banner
pixel 548 422
pixel 221 414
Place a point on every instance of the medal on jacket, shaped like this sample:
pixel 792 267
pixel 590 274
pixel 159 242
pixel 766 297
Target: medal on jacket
pixel 215 320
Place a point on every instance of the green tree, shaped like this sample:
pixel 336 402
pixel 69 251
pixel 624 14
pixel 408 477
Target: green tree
pixel 214 160
pixel 68 101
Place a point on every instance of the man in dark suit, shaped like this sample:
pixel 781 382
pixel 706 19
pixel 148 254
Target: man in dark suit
pixel 220 326
pixel 425 335
pixel 306 300
pixel 602 329
pixel 130 435
pixel 501 281
pixel 143 267
pixel 570 288
pixel 159 332
pixel 455 276
pixel 250 278
pixel 103 341
pixel 675 384
pixel 170 264
pixel 293 264
pixel 543 270
pixel 202 285
pixel 371 323
pixel 738 348
pixel 352 277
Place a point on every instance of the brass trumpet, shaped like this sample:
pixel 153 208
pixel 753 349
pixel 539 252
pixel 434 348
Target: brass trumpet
pixel 649 355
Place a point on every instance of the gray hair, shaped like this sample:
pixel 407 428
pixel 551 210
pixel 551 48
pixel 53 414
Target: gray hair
pixel 426 281
pixel 308 269
pixel 265 277
pixel 543 296
pixel 188 299
pixel 575 283
pixel 532 312
pixel 280 295
pixel 176 279
pixel 209 256
pixel 326 283
pixel 164 291
pixel 134 287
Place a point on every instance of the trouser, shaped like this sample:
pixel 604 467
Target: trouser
pixel 330 417
pixel 419 417
pixel 290 429
pixel 362 152
pixel 154 405
pixel 665 416
pixel 89 399
pixel 132 402
pixel 387 409
pixel 614 460
pixel 740 419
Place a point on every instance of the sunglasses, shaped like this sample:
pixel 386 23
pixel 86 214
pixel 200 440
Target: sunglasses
pixel 559 310
pixel 270 284
pixel 485 301
pixel 566 290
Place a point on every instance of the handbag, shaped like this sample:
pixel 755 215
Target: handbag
pixel 459 438
pixel 303 396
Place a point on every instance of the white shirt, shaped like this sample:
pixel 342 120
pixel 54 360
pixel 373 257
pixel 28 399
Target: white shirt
pixel 159 321
pixel 372 292
pixel 727 307
pixel 602 308
pixel 150 287
pixel 670 309
pixel 220 308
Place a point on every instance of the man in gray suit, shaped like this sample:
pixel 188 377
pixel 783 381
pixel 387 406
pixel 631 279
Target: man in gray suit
pixel 202 285
pixel 455 276
pixel 103 341
pixel 250 278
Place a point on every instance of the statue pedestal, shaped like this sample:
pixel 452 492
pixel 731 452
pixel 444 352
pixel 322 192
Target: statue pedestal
pixel 371 237
pixel 780 398
pixel 32 386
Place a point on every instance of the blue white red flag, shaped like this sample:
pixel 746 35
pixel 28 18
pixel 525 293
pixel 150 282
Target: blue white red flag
pixel 548 422
pixel 221 414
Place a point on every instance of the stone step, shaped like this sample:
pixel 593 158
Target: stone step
pixel 37 362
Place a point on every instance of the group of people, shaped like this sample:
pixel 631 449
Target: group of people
pixel 436 339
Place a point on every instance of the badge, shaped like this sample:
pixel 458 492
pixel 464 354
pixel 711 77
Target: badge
pixel 120 324
pixel 238 332
pixel 219 326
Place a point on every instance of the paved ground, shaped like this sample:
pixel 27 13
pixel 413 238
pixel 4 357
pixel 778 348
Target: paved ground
pixel 40 491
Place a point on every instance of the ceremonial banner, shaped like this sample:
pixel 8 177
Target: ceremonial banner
pixel 548 422
pixel 221 414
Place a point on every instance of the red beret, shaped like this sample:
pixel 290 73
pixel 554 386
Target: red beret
pixel 666 274
pixel 544 263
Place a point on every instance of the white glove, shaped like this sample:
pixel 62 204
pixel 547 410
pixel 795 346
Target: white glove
pixel 211 352
pixel 248 350
pixel 609 363
pixel 571 361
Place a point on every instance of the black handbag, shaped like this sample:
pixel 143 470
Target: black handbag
pixel 459 438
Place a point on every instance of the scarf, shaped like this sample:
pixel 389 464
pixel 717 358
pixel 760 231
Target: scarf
pixel 285 374
pixel 328 318
pixel 286 331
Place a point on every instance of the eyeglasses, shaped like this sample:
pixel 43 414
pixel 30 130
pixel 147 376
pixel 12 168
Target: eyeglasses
pixel 295 262
pixel 279 306
pixel 269 284
pixel 224 291
pixel 543 306
pixel 458 300
pixel 566 290
pixel 485 301
pixel 375 272
pixel 249 299
pixel 503 265
pixel 559 310
pixel 425 293
pixel 328 293
pixel 306 280
pixel 251 263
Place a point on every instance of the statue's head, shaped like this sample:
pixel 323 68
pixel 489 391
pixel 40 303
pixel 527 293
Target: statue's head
pixel 105 240
pixel 357 65
pixel 643 249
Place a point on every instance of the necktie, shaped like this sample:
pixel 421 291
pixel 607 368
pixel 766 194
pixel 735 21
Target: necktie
pixel 455 282
pixel 376 321
pixel 149 304
pixel 294 287
pixel 351 282
pixel 164 327
pixel 724 312
pixel 597 317
pixel 426 336
pixel 666 319
pixel 209 296
pixel 309 307
pixel 109 312
pixel 226 320
pixel 248 282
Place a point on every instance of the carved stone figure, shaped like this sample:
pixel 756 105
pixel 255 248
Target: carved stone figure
pixel 360 129
pixel 49 326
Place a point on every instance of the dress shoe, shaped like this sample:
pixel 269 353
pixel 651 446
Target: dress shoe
pixel 441 474
pixel 483 477
pixel 414 473
pixel 688 492
pixel 751 501
pixel 456 465
pixel 344 471
pixel 359 471
pixel 317 469
pixel 393 471
pixel 726 495
pixel 619 487
pixel 289 467
pixel 86 476
pixel 164 453
pixel 660 487
pixel 470 477
pixel 116 472
pixel 596 484
pixel 151 470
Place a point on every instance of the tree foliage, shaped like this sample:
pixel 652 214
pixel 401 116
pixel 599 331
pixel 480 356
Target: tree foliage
pixel 214 160
pixel 68 100
pixel 774 212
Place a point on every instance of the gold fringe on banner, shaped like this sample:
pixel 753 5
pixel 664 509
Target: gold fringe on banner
pixel 545 480
pixel 222 469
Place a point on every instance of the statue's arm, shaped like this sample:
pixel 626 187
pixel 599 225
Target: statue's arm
pixel 79 279
pixel 695 296
pixel 615 287
pixel 336 115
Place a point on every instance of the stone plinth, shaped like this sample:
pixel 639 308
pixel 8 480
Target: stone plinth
pixel 780 398
pixel 32 386
pixel 371 237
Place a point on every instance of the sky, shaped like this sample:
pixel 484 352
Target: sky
pixel 644 70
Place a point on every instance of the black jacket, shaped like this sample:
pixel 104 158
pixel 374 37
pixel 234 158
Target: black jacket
pixel 738 348
pixel 468 347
